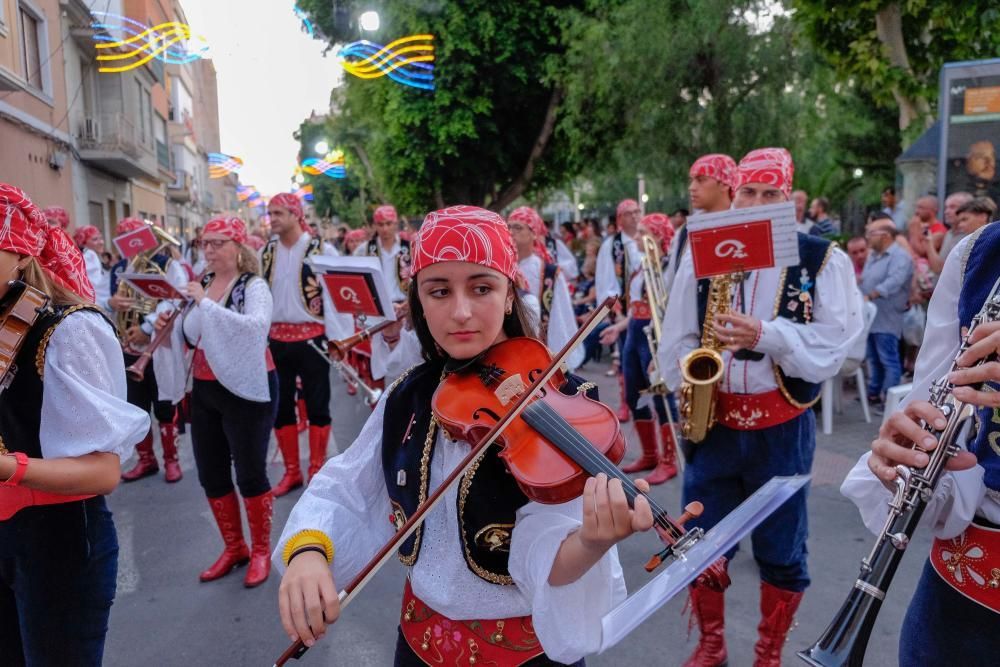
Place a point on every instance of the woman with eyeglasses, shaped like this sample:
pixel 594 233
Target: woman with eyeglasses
pixel 234 397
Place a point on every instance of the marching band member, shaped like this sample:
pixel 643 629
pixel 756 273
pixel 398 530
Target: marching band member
pixel 144 393
pixel 64 427
pixel 959 591
pixel 57 215
pixel 556 570
pixel 234 397
pixel 618 261
pixel 91 244
pixel 711 180
pixel 393 252
pixel 556 250
pixel 785 332
pixel 297 318
pixel 545 281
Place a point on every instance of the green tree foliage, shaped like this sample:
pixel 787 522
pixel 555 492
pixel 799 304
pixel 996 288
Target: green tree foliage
pixel 484 134
pixel 894 49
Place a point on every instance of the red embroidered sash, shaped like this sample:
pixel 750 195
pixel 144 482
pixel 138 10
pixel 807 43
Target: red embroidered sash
pixel 751 412
pixel 970 563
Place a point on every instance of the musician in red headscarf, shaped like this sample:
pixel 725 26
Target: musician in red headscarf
pixel 57 215
pixel 537 578
pixel 234 396
pixel 91 244
pixel 785 332
pixel 65 425
pixel 301 313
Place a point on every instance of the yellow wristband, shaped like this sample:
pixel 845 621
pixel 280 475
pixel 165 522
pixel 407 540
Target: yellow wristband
pixel 306 538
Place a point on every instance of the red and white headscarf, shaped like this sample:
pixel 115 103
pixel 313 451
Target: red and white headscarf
pixel 294 205
pixel 57 215
pixel 719 166
pixel 659 225
pixel 626 206
pixel 129 225
pixel 25 231
pixel 385 213
pixel 465 234
pixel 530 217
pixel 82 235
pixel 770 166
pixel 230 227
pixel 255 241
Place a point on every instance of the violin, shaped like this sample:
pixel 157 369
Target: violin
pixel 19 311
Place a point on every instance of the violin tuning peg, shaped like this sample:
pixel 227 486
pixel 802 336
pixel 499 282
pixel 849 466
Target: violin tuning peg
pixel 692 510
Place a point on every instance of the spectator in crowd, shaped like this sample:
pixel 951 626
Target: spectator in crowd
pixel 802 221
pixel 926 212
pixel 678 218
pixel 976 213
pixel 819 211
pixel 918 241
pixel 857 249
pixel 893 209
pixel 885 282
pixel 938 251
pixel 611 229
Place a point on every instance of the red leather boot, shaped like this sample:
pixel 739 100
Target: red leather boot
pixel 708 607
pixel 288 443
pixel 666 468
pixel 302 411
pixel 319 437
pixel 146 465
pixel 227 515
pixel 259 512
pixel 171 466
pixel 777 611
pixel 623 411
pixel 646 431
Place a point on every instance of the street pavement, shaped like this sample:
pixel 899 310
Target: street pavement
pixel 164 616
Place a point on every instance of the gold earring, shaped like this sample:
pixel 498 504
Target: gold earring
pixel 510 309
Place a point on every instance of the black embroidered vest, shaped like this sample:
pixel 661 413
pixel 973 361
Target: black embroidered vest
pixel 403 261
pixel 795 302
pixel 548 292
pixel 619 255
pixel 488 496
pixel 309 286
pixel 237 295
pixel 552 247
pixel 21 402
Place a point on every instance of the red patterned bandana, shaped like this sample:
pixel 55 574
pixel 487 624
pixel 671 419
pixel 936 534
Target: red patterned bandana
pixel 626 206
pixel 83 235
pixel 256 242
pixel 719 166
pixel 230 227
pixel 24 230
pixel 385 213
pixel 129 225
pixel 529 216
pixel 57 215
pixel 294 206
pixel 465 234
pixel 770 166
pixel 659 225
pixel 356 235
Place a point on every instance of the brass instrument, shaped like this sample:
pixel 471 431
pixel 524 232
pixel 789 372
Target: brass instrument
pixel 141 263
pixel 702 368
pixel 350 375
pixel 342 347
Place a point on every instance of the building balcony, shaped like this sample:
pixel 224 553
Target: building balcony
pixel 112 144
pixel 182 189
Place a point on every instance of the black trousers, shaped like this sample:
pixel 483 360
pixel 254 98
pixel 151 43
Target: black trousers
pixel 298 360
pixel 228 431
pixel 143 394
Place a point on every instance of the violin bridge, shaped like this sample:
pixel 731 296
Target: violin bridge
pixel 510 389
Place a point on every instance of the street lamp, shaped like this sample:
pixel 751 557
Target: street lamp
pixel 859 172
pixel 369 21
pixel 322 147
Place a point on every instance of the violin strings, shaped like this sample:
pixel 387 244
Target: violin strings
pixel 587 454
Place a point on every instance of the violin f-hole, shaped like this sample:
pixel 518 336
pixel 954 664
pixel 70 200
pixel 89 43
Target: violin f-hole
pixel 485 410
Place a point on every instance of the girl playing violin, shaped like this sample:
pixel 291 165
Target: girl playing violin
pixel 65 425
pixel 493 578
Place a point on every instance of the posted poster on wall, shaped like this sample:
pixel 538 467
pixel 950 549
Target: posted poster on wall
pixel 970 137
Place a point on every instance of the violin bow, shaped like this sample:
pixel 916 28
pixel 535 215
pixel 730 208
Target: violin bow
pixel 298 649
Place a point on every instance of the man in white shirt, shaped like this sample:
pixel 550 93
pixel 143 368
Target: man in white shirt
pixel 785 332
pixel 297 321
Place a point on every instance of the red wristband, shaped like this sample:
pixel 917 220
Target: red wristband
pixel 22 467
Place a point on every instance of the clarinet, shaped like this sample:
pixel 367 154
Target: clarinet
pixel 845 640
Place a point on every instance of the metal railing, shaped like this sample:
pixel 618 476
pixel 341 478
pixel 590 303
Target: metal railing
pixel 110 133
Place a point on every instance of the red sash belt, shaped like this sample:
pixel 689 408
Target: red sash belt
pixel 200 369
pixel 640 310
pixel 438 640
pixel 970 563
pixel 284 332
pixel 13 499
pixel 751 412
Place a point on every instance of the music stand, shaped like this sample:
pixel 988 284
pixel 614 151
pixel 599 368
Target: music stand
pixel 356 286
pixel 743 239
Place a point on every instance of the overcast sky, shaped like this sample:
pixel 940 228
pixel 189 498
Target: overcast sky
pixel 271 76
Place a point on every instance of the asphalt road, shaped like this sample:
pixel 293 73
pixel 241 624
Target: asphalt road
pixel 164 616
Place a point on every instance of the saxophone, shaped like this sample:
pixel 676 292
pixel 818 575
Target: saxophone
pixel 702 368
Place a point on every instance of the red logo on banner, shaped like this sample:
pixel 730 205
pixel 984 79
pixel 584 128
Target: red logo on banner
pixel 154 287
pixel 742 247
pixel 353 293
pixel 131 244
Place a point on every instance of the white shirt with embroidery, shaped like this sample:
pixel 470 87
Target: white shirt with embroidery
pixel 605 280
